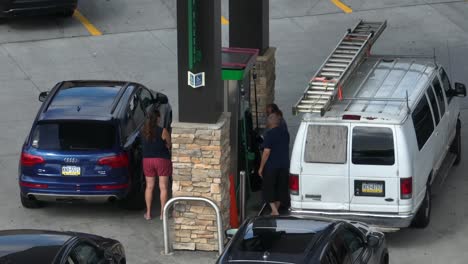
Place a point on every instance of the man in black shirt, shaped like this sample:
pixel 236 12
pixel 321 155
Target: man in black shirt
pixel 274 167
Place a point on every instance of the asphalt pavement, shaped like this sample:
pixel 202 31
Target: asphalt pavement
pixel 137 42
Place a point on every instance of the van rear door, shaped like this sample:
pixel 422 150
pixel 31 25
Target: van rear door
pixel 324 179
pixel 373 169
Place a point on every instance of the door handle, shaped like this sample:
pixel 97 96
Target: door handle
pixel 314 196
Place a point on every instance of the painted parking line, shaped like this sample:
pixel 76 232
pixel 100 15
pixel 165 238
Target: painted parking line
pixel 90 27
pixel 342 6
pixel 224 21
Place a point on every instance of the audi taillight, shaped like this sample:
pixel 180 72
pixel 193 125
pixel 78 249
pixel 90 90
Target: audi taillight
pixel 294 184
pixel 406 188
pixel 33 185
pixel 30 160
pixel 118 161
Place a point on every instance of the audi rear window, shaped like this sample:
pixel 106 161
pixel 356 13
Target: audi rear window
pixel 74 136
pixel 373 146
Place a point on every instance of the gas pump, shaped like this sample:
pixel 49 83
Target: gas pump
pixel 237 65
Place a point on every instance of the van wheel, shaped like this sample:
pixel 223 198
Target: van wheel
pixel 423 216
pixel 455 148
pixel 30 203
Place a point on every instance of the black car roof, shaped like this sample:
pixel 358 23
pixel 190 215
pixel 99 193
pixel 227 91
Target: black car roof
pixel 31 246
pixel 84 100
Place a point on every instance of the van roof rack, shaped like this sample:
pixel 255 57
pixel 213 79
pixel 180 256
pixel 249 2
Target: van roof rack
pixel 327 83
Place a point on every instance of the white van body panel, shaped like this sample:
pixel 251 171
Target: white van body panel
pixel 336 190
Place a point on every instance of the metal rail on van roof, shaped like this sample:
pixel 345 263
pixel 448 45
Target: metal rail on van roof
pixel 330 79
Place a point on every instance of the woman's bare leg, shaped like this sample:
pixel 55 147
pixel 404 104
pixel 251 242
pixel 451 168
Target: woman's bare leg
pixel 149 194
pixel 163 189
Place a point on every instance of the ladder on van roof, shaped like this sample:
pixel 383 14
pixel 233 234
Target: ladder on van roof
pixel 327 83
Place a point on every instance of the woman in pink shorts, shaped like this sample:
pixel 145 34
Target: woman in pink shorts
pixel 156 142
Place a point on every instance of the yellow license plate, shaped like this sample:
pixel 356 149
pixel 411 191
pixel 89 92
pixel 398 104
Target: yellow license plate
pixel 71 171
pixel 374 188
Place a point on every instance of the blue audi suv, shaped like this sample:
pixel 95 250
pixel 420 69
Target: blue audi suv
pixel 84 143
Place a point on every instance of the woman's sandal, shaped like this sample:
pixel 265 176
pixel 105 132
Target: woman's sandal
pixel 147 217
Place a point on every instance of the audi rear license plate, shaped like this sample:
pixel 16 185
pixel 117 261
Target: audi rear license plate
pixel 369 188
pixel 71 171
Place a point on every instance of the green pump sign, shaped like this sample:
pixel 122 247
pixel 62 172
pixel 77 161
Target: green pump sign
pixel 194 52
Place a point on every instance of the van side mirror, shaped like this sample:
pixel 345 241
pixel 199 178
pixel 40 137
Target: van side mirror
pixel 460 90
pixel 373 240
pixel 43 96
pixel 230 233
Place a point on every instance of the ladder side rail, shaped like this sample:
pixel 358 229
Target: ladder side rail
pixel 295 108
pixel 377 33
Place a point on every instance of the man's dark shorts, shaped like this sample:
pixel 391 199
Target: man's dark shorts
pixel 276 185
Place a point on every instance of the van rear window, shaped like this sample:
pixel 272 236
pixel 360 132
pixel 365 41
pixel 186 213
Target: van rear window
pixel 373 146
pixel 326 144
pixel 74 136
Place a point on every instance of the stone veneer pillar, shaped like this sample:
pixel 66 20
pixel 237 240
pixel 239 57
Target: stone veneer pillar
pixel 201 158
pixel 266 76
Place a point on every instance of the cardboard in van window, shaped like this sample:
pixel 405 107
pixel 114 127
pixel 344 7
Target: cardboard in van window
pixel 326 144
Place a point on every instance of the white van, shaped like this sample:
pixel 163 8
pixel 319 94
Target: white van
pixel 373 155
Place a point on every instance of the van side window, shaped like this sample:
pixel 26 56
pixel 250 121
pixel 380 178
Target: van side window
pixel 446 85
pixel 422 121
pixel 435 109
pixel 326 144
pixel 440 96
pixel 373 146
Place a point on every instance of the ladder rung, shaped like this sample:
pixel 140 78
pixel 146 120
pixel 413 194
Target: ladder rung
pixel 341 56
pixel 319 93
pixel 359 35
pixel 343 51
pixel 348 47
pixel 330 74
pixel 315 102
pixel 322 88
pixel 343 65
pixel 311 106
pixel 317 96
pixel 324 84
pixel 355 43
pixel 330 69
pixel 340 60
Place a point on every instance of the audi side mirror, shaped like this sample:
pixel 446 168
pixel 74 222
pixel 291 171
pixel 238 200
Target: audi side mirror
pixel 373 240
pixel 460 90
pixel 43 96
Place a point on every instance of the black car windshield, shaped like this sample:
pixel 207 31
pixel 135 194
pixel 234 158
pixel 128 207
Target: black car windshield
pixel 276 238
pixel 74 136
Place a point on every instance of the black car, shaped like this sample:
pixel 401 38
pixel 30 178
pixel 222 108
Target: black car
pixel 84 143
pixel 9 8
pixel 287 239
pixel 51 247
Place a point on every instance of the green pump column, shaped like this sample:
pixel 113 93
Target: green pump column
pixel 199 51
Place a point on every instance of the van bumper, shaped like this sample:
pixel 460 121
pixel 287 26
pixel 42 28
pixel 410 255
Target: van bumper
pixel 382 221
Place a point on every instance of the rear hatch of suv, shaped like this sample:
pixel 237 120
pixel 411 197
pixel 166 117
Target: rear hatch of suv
pixel 75 154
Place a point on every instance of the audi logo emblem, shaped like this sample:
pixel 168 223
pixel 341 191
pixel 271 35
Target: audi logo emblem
pixel 70 160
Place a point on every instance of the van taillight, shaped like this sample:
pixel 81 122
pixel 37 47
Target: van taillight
pixel 31 160
pixel 406 188
pixel 118 161
pixel 294 184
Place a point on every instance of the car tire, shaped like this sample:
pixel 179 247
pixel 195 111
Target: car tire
pixel 456 146
pixel 423 216
pixel 30 203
